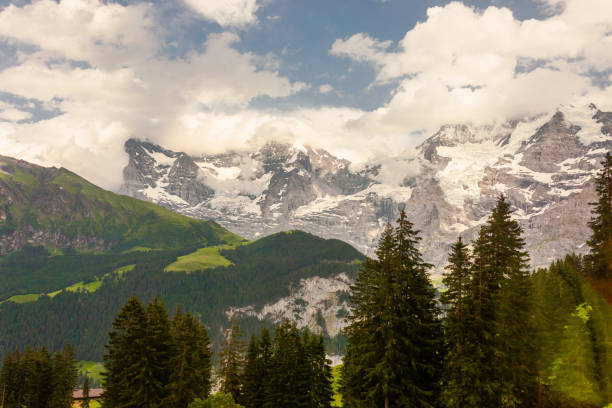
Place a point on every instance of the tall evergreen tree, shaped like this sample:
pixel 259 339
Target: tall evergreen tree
pixel 501 370
pixel 124 359
pixel 288 382
pixel 86 399
pixel 418 325
pixel 457 298
pixel 394 334
pixel 232 363
pixel 64 378
pixel 320 375
pixel 257 369
pixel 600 257
pixel 191 365
pixel 152 374
pixel 364 380
pixel 514 320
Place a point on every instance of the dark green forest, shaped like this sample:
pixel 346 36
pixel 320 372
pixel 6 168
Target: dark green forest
pixel 261 271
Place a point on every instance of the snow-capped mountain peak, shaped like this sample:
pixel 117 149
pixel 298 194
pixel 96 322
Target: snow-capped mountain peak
pixel 543 164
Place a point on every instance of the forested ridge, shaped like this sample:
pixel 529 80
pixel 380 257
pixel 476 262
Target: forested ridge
pixel 261 271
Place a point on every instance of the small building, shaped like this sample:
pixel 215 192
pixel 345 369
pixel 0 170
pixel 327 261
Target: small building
pixel 95 394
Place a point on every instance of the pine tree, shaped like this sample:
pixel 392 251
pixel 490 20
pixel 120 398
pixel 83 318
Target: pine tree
pixel 321 392
pixel 501 369
pixel 232 363
pixel 287 384
pixel 394 345
pixel 124 359
pixel 152 374
pixel 257 369
pixel 11 380
pixel 86 399
pixel 418 324
pixel 600 257
pixel 253 377
pixel 64 378
pixel 364 380
pixel 191 366
pixel 457 280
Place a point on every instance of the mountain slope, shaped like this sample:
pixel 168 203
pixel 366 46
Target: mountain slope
pixel 262 273
pixel 57 229
pixel 73 253
pixel 56 208
pixel 448 184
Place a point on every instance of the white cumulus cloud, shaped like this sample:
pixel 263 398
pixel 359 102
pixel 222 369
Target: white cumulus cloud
pixel 98 64
pixel 464 64
pixel 226 12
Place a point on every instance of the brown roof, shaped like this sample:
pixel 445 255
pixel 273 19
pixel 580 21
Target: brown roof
pixel 93 393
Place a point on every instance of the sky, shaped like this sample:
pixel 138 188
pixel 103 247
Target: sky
pixel 362 78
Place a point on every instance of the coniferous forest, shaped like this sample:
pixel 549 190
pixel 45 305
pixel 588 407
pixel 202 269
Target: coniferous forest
pixel 495 335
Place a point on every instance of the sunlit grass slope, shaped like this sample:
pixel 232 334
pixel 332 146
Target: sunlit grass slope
pixel 203 258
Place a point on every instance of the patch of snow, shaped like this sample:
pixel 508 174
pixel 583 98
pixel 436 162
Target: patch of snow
pixel 159 195
pixel 590 130
pixel 460 178
pixel 161 159
pixel 522 171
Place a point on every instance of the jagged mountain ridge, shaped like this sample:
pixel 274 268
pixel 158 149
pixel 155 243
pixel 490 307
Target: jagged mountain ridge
pixel 543 164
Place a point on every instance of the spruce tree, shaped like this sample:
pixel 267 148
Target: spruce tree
pixel 418 325
pixel 64 378
pixel 191 365
pixel 124 359
pixel 501 370
pixel 394 350
pixel 600 257
pixel 232 363
pixel 321 392
pixel 458 358
pixel 257 369
pixel 252 373
pixel 514 320
pixel 367 371
pixel 152 374
pixel 287 384
pixel 86 399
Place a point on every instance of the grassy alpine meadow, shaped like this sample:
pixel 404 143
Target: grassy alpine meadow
pixel 76 287
pixel 203 258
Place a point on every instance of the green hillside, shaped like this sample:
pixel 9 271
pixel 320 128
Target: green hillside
pixel 57 208
pixel 57 230
pixel 254 273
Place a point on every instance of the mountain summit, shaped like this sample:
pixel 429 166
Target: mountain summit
pixel 544 165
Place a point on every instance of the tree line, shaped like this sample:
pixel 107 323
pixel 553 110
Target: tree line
pixel 289 370
pixel 38 379
pixel 261 271
pixel 485 349
pixel 155 361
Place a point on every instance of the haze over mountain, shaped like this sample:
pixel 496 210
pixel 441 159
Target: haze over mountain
pixel 448 184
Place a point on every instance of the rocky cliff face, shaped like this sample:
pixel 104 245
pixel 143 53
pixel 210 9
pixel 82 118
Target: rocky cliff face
pixel 544 165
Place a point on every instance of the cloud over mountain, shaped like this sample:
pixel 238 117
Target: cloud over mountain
pixel 101 72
